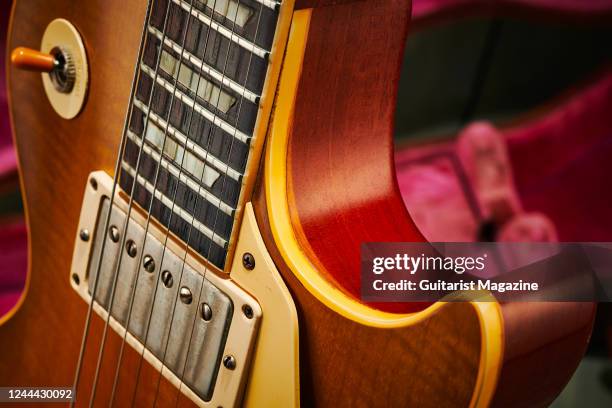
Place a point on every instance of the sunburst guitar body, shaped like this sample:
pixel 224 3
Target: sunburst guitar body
pixel 203 173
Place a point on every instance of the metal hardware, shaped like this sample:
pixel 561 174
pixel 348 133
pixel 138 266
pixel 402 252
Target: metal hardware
pixel 248 261
pixel 170 327
pixel 113 232
pixel 131 248
pixel 195 352
pixel 66 85
pixel 229 362
pixel 205 312
pixel 63 75
pixel 167 279
pixel 148 263
pixel 84 235
pixel 273 338
pixel 248 311
pixel 76 279
pixel 185 295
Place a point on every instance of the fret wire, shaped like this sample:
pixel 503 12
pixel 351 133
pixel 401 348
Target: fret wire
pixel 186 199
pixel 192 147
pixel 204 67
pixel 178 211
pixel 198 242
pixel 252 21
pixel 195 107
pixel 217 150
pixel 216 218
pixel 123 234
pixel 190 229
pixel 85 335
pixel 187 180
pixel 198 107
pixel 187 240
pixel 233 37
pixel 125 230
pixel 241 17
pixel 206 90
pixel 272 4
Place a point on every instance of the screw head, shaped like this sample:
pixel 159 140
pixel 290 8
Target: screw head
pixel 84 234
pixel 131 248
pixel 229 362
pixel 113 232
pixel 148 263
pixel 185 295
pixel 205 311
pixel 167 279
pixel 248 261
pixel 248 311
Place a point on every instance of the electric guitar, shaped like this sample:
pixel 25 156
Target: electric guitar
pixel 198 177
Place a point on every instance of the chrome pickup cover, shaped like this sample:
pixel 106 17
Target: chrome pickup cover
pixel 189 333
pixel 207 338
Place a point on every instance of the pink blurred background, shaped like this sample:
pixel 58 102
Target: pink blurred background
pixel 559 161
pixel 563 180
pixel 13 236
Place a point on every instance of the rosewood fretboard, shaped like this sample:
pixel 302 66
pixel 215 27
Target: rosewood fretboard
pixel 199 83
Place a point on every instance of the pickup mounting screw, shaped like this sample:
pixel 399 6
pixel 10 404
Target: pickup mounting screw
pixel 206 311
pixel 149 263
pixel 185 295
pixel 248 311
pixel 113 232
pixel 248 261
pixel 167 279
pixel 131 249
pixel 84 235
pixel 229 362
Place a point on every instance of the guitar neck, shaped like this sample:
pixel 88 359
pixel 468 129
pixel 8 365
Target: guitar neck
pixel 194 115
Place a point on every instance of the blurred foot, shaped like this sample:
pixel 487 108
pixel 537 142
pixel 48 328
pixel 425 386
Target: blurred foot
pixel 528 227
pixel 482 151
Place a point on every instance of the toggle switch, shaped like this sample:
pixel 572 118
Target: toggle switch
pixel 32 60
pixel 58 64
pixel 62 64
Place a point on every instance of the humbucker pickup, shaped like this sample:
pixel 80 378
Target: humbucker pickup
pixel 185 320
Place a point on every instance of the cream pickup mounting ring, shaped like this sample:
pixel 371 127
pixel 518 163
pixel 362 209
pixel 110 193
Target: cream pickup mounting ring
pixel 67 98
pixel 186 321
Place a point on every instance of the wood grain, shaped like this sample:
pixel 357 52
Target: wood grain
pixel 40 344
pixel 343 363
pixel 304 4
pixel 343 190
pixel 351 64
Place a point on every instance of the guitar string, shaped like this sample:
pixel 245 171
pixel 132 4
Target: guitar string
pixel 172 213
pixel 174 200
pixel 214 224
pixel 158 169
pixel 126 223
pixel 87 324
pixel 114 184
pixel 217 212
pixel 167 336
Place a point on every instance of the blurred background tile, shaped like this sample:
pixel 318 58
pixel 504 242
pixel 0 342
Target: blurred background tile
pixel 13 234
